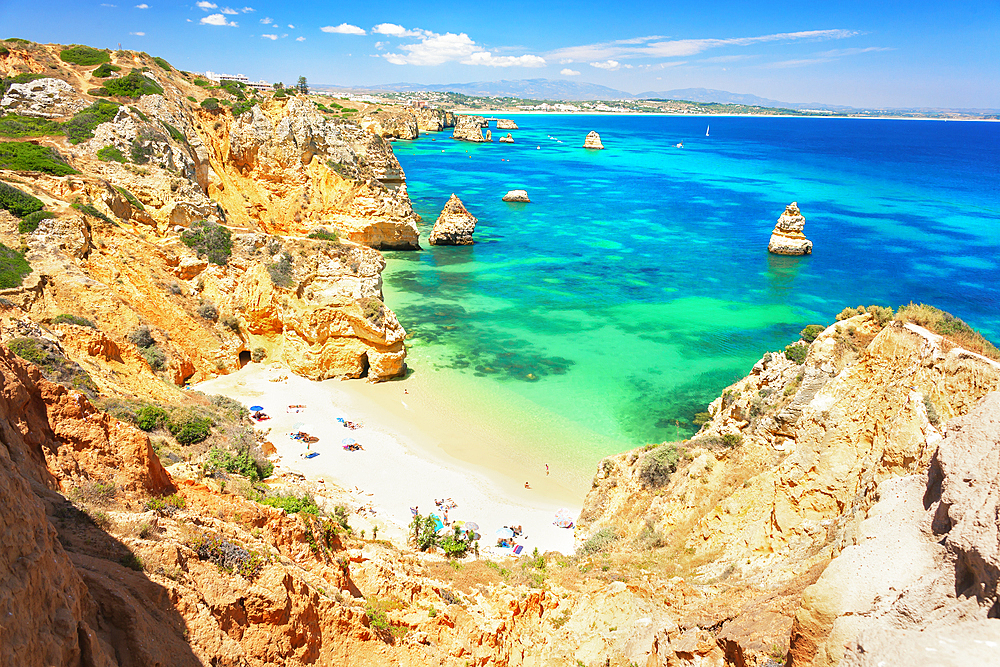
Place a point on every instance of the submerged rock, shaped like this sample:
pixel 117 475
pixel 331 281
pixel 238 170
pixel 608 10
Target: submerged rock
pixel 593 141
pixel 506 140
pixel 516 195
pixel 470 128
pixel 455 225
pixel 787 237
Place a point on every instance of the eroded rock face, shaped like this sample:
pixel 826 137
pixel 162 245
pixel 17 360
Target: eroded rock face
pixel 455 225
pixel 506 140
pixel 922 567
pixel 391 124
pixel 42 98
pixel 593 140
pixel 434 120
pixel 470 128
pixel 506 124
pixel 516 195
pixel 787 237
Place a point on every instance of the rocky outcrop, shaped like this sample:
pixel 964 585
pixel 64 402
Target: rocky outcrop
pixel 42 98
pixel 922 567
pixel 434 120
pixel 470 128
pixel 787 237
pixel 506 140
pixel 516 195
pixel 455 225
pixel 593 140
pixel 506 124
pixel 391 124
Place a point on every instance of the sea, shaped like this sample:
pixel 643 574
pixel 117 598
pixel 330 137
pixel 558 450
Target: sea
pixel 637 284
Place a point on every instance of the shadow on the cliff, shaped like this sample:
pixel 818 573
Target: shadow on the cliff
pixel 132 616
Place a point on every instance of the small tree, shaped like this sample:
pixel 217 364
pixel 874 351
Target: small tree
pixel 302 86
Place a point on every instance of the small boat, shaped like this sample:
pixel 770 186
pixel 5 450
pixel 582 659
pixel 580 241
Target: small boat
pixel 680 145
pixel 706 130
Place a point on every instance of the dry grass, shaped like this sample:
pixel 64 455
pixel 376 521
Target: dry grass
pixel 949 326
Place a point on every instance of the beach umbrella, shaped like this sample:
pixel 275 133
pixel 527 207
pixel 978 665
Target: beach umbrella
pixel 348 441
pixel 472 525
pixel 505 532
pixel 564 518
pixel 255 408
pixel 438 523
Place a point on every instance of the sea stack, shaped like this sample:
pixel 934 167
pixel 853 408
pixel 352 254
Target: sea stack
pixel 517 195
pixel 455 225
pixel 506 140
pixel 470 128
pixel 593 141
pixel 787 237
pixel 506 124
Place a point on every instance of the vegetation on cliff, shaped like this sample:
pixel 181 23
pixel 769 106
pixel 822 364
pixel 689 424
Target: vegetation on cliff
pixel 23 156
pixel 13 267
pixel 18 202
pixel 17 126
pixel 209 240
pixel 85 56
pixel 81 127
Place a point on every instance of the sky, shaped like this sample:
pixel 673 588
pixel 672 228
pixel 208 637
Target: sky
pixel 872 53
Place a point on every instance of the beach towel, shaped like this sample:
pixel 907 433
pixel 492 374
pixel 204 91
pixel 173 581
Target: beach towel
pixel 518 549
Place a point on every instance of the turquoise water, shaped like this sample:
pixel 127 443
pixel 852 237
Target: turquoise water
pixel 637 284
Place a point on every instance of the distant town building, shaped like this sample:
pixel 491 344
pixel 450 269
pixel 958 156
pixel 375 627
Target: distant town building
pixel 256 85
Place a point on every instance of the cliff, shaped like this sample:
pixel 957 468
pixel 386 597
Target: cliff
pixel 470 128
pixel 400 124
pixel 506 124
pixel 787 237
pixel 434 120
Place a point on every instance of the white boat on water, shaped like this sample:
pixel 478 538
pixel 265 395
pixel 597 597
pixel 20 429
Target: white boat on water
pixel 706 129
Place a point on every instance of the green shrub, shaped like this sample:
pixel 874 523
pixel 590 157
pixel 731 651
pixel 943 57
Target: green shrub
pixel 27 349
pixel 947 325
pixel 258 355
pixel 18 202
pixel 210 103
pixel 228 556
pixel 142 337
pixel 292 504
pixel 29 223
pixel 174 133
pixel 241 107
pixel 22 156
pixel 209 239
pixel 599 541
pixel 657 465
pixel 281 271
pixel 208 311
pixel 4 50
pixel 189 428
pixel 849 312
pixel 130 198
pixel 14 125
pixel 730 440
pixel 105 70
pixel 243 463
pixel 232 324
pixel 201 83
pixel 111 154
pixel 80 127
pixel 66 318
pixel 150 417
pixel 810 333
pixel 932 413
pixel 701 418
pixel 881 314
pixel 87 209
pixel 796 353
pixel 13 267
pixel 86 56
pixel 323 235
pixel 234 88
pixel 133 84
pixel 162 63
pixel 155 357
pixel 142 149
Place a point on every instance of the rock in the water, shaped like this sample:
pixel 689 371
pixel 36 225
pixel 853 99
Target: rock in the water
pixel 506 140
pixel 470 128
pixel 43 98
pixel 593 141
pixel 434 120
pixel 506 124
pixel 517 195
pixel 787 237
pixel 455 225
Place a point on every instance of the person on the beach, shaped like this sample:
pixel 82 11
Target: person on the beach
pixel 546 468
pixel 415 510
pixel 527 486
pixel 446 522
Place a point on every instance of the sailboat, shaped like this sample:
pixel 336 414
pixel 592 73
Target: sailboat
pixel 706 130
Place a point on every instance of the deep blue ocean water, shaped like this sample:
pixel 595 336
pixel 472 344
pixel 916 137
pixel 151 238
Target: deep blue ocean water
pixel 637 283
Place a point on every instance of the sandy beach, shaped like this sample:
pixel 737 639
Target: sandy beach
pixel 407 460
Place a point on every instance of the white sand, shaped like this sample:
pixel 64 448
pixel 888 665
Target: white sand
pixel 404 462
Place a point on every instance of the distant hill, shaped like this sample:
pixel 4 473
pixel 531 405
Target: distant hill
pixel 725 97
pixel 532 89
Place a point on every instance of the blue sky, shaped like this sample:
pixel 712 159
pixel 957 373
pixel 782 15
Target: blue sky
pixel 871 53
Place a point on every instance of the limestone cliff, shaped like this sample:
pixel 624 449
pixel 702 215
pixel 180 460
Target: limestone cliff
pixel 455 225
pixel 787 237
pixel 434 120
pixel 470 128
pixel 401 124
pixel 506 124
pixel 593 140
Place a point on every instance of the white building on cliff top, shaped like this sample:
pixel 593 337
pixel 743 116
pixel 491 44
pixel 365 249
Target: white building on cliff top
pixel 239 78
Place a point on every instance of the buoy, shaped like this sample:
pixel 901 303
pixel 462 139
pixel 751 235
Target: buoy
pixel 538 148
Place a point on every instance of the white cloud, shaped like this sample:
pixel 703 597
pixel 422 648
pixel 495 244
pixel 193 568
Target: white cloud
pixel 247 10
pixel 395 30
pixel 291 27
pixel 344 29
pixel 435 49
pixel 142 6
pixel 138 34
pixel 218 19
pixel 270 37
pixel 610 65
pixel 267 20
pixel 206 5
pixel 229 10
pixel 104 4
pixel 655 47
pixel 569 72
pixel 300 39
